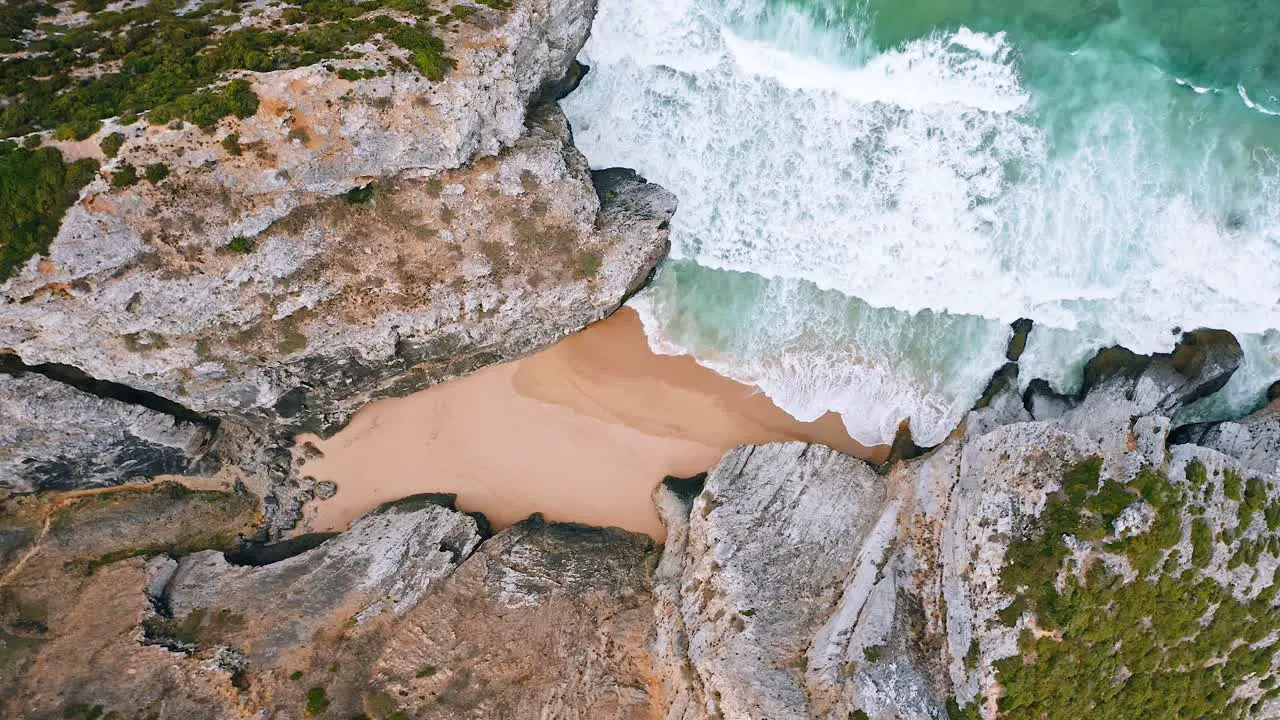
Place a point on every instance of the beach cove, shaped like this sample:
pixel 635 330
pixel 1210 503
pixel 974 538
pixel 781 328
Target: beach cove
pixel 581 431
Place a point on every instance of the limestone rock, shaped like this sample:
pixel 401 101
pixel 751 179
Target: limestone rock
pixel 1201 364
pixel 797 583
pixel 1254 440
pixel 373 237
pixel 545 620
pixel 761 583
pixel 542 617
pixel 386 561
pixel 335 303
pixel 54 436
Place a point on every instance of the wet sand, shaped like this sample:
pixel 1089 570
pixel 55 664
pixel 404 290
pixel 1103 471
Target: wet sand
pixel 581 431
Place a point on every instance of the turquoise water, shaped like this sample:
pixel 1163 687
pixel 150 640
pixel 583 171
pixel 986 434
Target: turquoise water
pixel 870 192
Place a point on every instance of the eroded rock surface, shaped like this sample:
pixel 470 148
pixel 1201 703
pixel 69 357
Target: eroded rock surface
pixel 545 620
pixel 358 238
pixel 368 232
pixel 934 604
pixel 404 612
pixel 72 594
pixel 325 299
pixel 1020 556
pixel 1254 440
pixel 754 564
pixel 384 562
pixel 54 436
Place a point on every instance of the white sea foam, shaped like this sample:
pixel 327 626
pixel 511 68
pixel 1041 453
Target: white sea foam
pixel 1244 95
pixel 813 350
pixel 918 77
pixel 928 180
pixel 1196 88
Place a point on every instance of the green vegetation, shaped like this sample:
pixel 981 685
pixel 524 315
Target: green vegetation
pixel 151 58
pixel 206 107
pixel 155 173
pixel 1196 474
pixel 1201 543
pixel 359 195
pixel 353 75
pixel 317 701
pixel 125 176
pixel 1146 551
pixel 240 244
pixel 1271 514
pixel 111 144
pixel 1169 644
pixel 1231 484
pixel 426 672
pixel 36 188
pixel 231 143
pixel 296 675
pixel 77 129
pixel 1255 499
pixel 82 711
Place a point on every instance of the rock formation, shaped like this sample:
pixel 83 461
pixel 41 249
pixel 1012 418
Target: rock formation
pixel 371 230
pixel 58 436
pixel 367 232
pixel 795 582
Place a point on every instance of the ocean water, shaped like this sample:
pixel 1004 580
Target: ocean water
pixel 870 191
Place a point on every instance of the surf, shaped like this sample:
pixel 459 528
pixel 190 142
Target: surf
pixel 859 222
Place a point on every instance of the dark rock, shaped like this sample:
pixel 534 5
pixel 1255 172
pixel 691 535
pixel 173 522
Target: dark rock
pixel 1111 363
pixel 903 446
pixel 685 489
pixel 560 89
pixel 609 183
pixel 1200 433
pixel 1201 364
pixel 59 432
pixel 256 555
pixel 1005 379
pixel 1018 343
pixel 1043 403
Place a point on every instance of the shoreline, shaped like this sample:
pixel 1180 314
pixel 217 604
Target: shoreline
pixel 581 431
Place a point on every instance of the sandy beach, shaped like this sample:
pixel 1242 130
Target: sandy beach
pixel 581 431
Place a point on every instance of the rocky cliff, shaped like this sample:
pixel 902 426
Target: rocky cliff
pixel 378 220
pixel 1052 542
pixel 370 229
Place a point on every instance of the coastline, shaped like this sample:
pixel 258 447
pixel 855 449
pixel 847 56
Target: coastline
pixel 581 431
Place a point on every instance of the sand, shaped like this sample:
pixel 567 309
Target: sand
pixel 581 431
